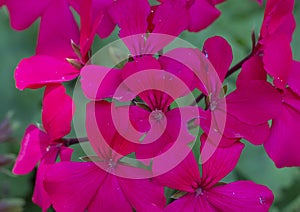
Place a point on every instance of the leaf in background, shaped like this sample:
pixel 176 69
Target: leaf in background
pixel 11 205
pixel 5 130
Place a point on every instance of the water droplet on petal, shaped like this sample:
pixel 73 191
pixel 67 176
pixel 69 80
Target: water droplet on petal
pixel 262 200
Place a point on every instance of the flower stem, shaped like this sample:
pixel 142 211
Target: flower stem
pixel 71 141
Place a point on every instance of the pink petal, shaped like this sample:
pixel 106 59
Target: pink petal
pixel 202 14
pixel 110 197
pixel 219 53
pixel 139 118
pixel 137 189
pixel 58 27
pixel 252 69
pixel 234 129
pixel 37 71
pixel 108 143
pixel 184 177
pixel 190 202
pixel 180 70
pixel 99 82
pixel 24 13
pixel 131 17
pixel 278 59
pixel 88 27
pixel 283 143
pixel 220 164
pixel 33 147
pixel 58 110
pixel 65 153
pixel 254 102
pixel 294 77
pixel 170 18
pixel 72 185
pixel 241 196
pixel 40 196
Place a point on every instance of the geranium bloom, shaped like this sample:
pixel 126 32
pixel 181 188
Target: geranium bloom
pixel 99 185
pixel 49 65
pixel 157 88
pixel 205 193
pixel 45 146
pixel 244 115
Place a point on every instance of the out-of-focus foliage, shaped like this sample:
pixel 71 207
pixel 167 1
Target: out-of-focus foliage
pixel 239 18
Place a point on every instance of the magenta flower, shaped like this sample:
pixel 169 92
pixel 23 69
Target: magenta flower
pixel 99 185
pixel 152 117
pixel 206 193
pixel 246 115
pixel 50 64
pixel 201 13
pixel 44 146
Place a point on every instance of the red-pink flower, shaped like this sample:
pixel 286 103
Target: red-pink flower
pixel 157 88
pixel 54 46
pixel 44 146
pixel 100 185
pixel 206 193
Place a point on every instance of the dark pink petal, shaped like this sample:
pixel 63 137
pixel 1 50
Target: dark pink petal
pixel 65 153
pixel 252 69
pixel 58 110
pixel 207 79
pixel 171 18
pixel 137 189
pixel 40 196
pixel 24 13
pixel 190 202
pixel 139 118
pixel 2 2
pixel 99 82
pixel 180 70
pixel 283 143
pixel 184 177
pixel 102 120
pixel 110 197
pixel 131 17
pixel 241 196
pixel 107 25
pixel 276 14
pixel 294 77
pixel 58 27
pixel 37 71
pixel 88 27
pixel 278 59
pixel 234 129
pixel 72 185
pixel 254 102
pixel 220 164
pixel 33 147
pixel 202 14
pixel 219 53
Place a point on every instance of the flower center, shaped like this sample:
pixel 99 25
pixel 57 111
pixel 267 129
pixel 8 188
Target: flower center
pixel 157 115
pixel 199 191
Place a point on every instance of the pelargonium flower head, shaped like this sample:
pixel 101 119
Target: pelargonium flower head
pixel 152 90
pixel 44 146
pixel 206 193
pixel 99 185
pixel 247 115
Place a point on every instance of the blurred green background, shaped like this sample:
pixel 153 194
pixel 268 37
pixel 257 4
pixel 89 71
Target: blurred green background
pixel 238 19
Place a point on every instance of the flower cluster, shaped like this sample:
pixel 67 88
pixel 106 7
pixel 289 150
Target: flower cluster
pixel 144 103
